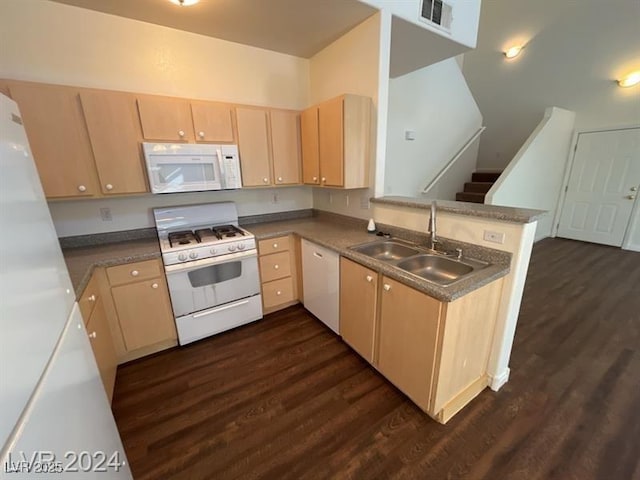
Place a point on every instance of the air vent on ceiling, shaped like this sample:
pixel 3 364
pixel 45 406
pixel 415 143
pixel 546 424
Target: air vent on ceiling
pixel 437 12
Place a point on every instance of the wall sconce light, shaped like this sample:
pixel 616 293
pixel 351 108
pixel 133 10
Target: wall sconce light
pixel 184 3
pixel 514 51
pixel 630 80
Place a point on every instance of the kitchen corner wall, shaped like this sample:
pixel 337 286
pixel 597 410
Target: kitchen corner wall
pixel 354 64
pixel 50 42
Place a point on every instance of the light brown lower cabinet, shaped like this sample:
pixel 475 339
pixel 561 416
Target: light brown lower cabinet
pixel 279 261
pixel 141 305
pixel 92 306
pixel 435 352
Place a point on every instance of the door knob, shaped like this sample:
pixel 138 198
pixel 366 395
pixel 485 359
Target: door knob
pixel 135 273
pixel 634 189
pixel 154 285
pixel 631 197
pixel 181 133
pixel 82 188
pixel 387 287
pixel 369 278
pixel 108 186
pixel 201 134
pixel 265 180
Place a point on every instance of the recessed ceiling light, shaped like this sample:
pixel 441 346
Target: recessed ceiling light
pixel 184 3
pixel 630 80
pixel 513 51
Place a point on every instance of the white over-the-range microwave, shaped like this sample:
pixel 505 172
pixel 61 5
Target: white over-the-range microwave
pixel 187 167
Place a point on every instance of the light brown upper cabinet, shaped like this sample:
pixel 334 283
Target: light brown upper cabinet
pixel 165 118
pixel 212 122
pixel 253 146
pixel 114 131
pixel 310 148
pixel 285 146
pixel 340 142
pixel 59 141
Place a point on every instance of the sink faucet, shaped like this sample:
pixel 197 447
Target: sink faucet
pixel 432 226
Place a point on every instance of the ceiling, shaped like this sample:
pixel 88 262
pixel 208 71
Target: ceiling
pixel 295 27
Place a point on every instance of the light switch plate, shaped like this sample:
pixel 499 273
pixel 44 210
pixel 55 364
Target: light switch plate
pixel 494 237
pixel 105 214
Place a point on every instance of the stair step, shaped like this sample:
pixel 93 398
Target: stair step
pixel 485 176
pixel 478 187
pixel 472 197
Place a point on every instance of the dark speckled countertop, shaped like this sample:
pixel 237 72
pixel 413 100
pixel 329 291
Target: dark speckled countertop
pixel 328 231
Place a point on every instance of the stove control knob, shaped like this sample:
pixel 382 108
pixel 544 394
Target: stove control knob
pixel 193 255
pixel 182 257
pixel 232 248
pixel 241 246
pixel 212 251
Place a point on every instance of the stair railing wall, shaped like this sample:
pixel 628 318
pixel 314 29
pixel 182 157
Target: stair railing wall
pixel 432 187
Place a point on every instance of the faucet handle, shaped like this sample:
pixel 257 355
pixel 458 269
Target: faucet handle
pixel 458 253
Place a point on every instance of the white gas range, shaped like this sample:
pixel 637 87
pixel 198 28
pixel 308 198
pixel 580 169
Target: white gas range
pixel 212 268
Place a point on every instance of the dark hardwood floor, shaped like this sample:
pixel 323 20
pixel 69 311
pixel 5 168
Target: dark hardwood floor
pixel 284 398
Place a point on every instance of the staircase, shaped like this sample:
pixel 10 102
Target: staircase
pixel 475 190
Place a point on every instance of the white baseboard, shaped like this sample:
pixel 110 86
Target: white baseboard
pixel 497 382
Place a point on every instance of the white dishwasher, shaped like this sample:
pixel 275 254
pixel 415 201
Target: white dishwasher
pixel 321 282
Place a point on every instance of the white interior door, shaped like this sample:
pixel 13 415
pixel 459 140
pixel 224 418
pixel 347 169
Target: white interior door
pixel 603 186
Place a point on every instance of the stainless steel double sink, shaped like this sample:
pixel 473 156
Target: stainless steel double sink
pixel 430 265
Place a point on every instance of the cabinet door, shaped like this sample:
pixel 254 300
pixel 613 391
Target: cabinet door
pixel 58 138
pixel 212 122
pixel 310 148
pixel 144 313
pixel 331 142
pixel 114 131
pixel 285 145
pixel 253 145
pixel 358 306
pixel 102 345
pixel 409 329
pixel 165 119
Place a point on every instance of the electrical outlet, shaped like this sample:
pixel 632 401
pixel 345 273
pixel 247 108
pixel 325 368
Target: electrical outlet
pixel 274 198
pixel 346 199
pixel 364 201
pixel 105 214
pixel 330 198
pixel 494 237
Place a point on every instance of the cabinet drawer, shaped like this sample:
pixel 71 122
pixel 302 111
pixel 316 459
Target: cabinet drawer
pixel 277 292
pixel 275 266
pixel 89 298
pixel 132 272
pixel 273 245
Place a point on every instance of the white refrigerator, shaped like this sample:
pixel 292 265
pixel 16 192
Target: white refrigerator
pixel 55 419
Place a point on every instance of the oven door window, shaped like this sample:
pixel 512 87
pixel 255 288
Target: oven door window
pixel 215 274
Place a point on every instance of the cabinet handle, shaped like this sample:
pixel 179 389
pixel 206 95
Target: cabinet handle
pixel 181 133
pixel 280 179
pixel 82 188
pixel 108 186
pixel 317 255
pixel 93 335
pixel 324 179
pixel 275 245
pixel 315 179
pixel 135 273
pixel 201 134
pixel 369 278
pixel 276 266
pixel 91 298
pixel 278 293
pixel 265 180
pixel 154 285
pixel 387 287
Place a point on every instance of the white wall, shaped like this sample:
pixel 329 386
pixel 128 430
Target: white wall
pixel 533 179
pixel 355 63
pixel 80 217
pixel 466 14
pixel 575 50
pixel 518 241
pixel 436 103
pixel 54 43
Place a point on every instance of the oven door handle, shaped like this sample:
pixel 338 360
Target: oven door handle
pixel 220 309
pixel 206 262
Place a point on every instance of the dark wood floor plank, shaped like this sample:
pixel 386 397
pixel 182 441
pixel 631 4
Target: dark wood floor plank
pixel 285 398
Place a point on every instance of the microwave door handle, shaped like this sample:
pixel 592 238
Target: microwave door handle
pixel 223 178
